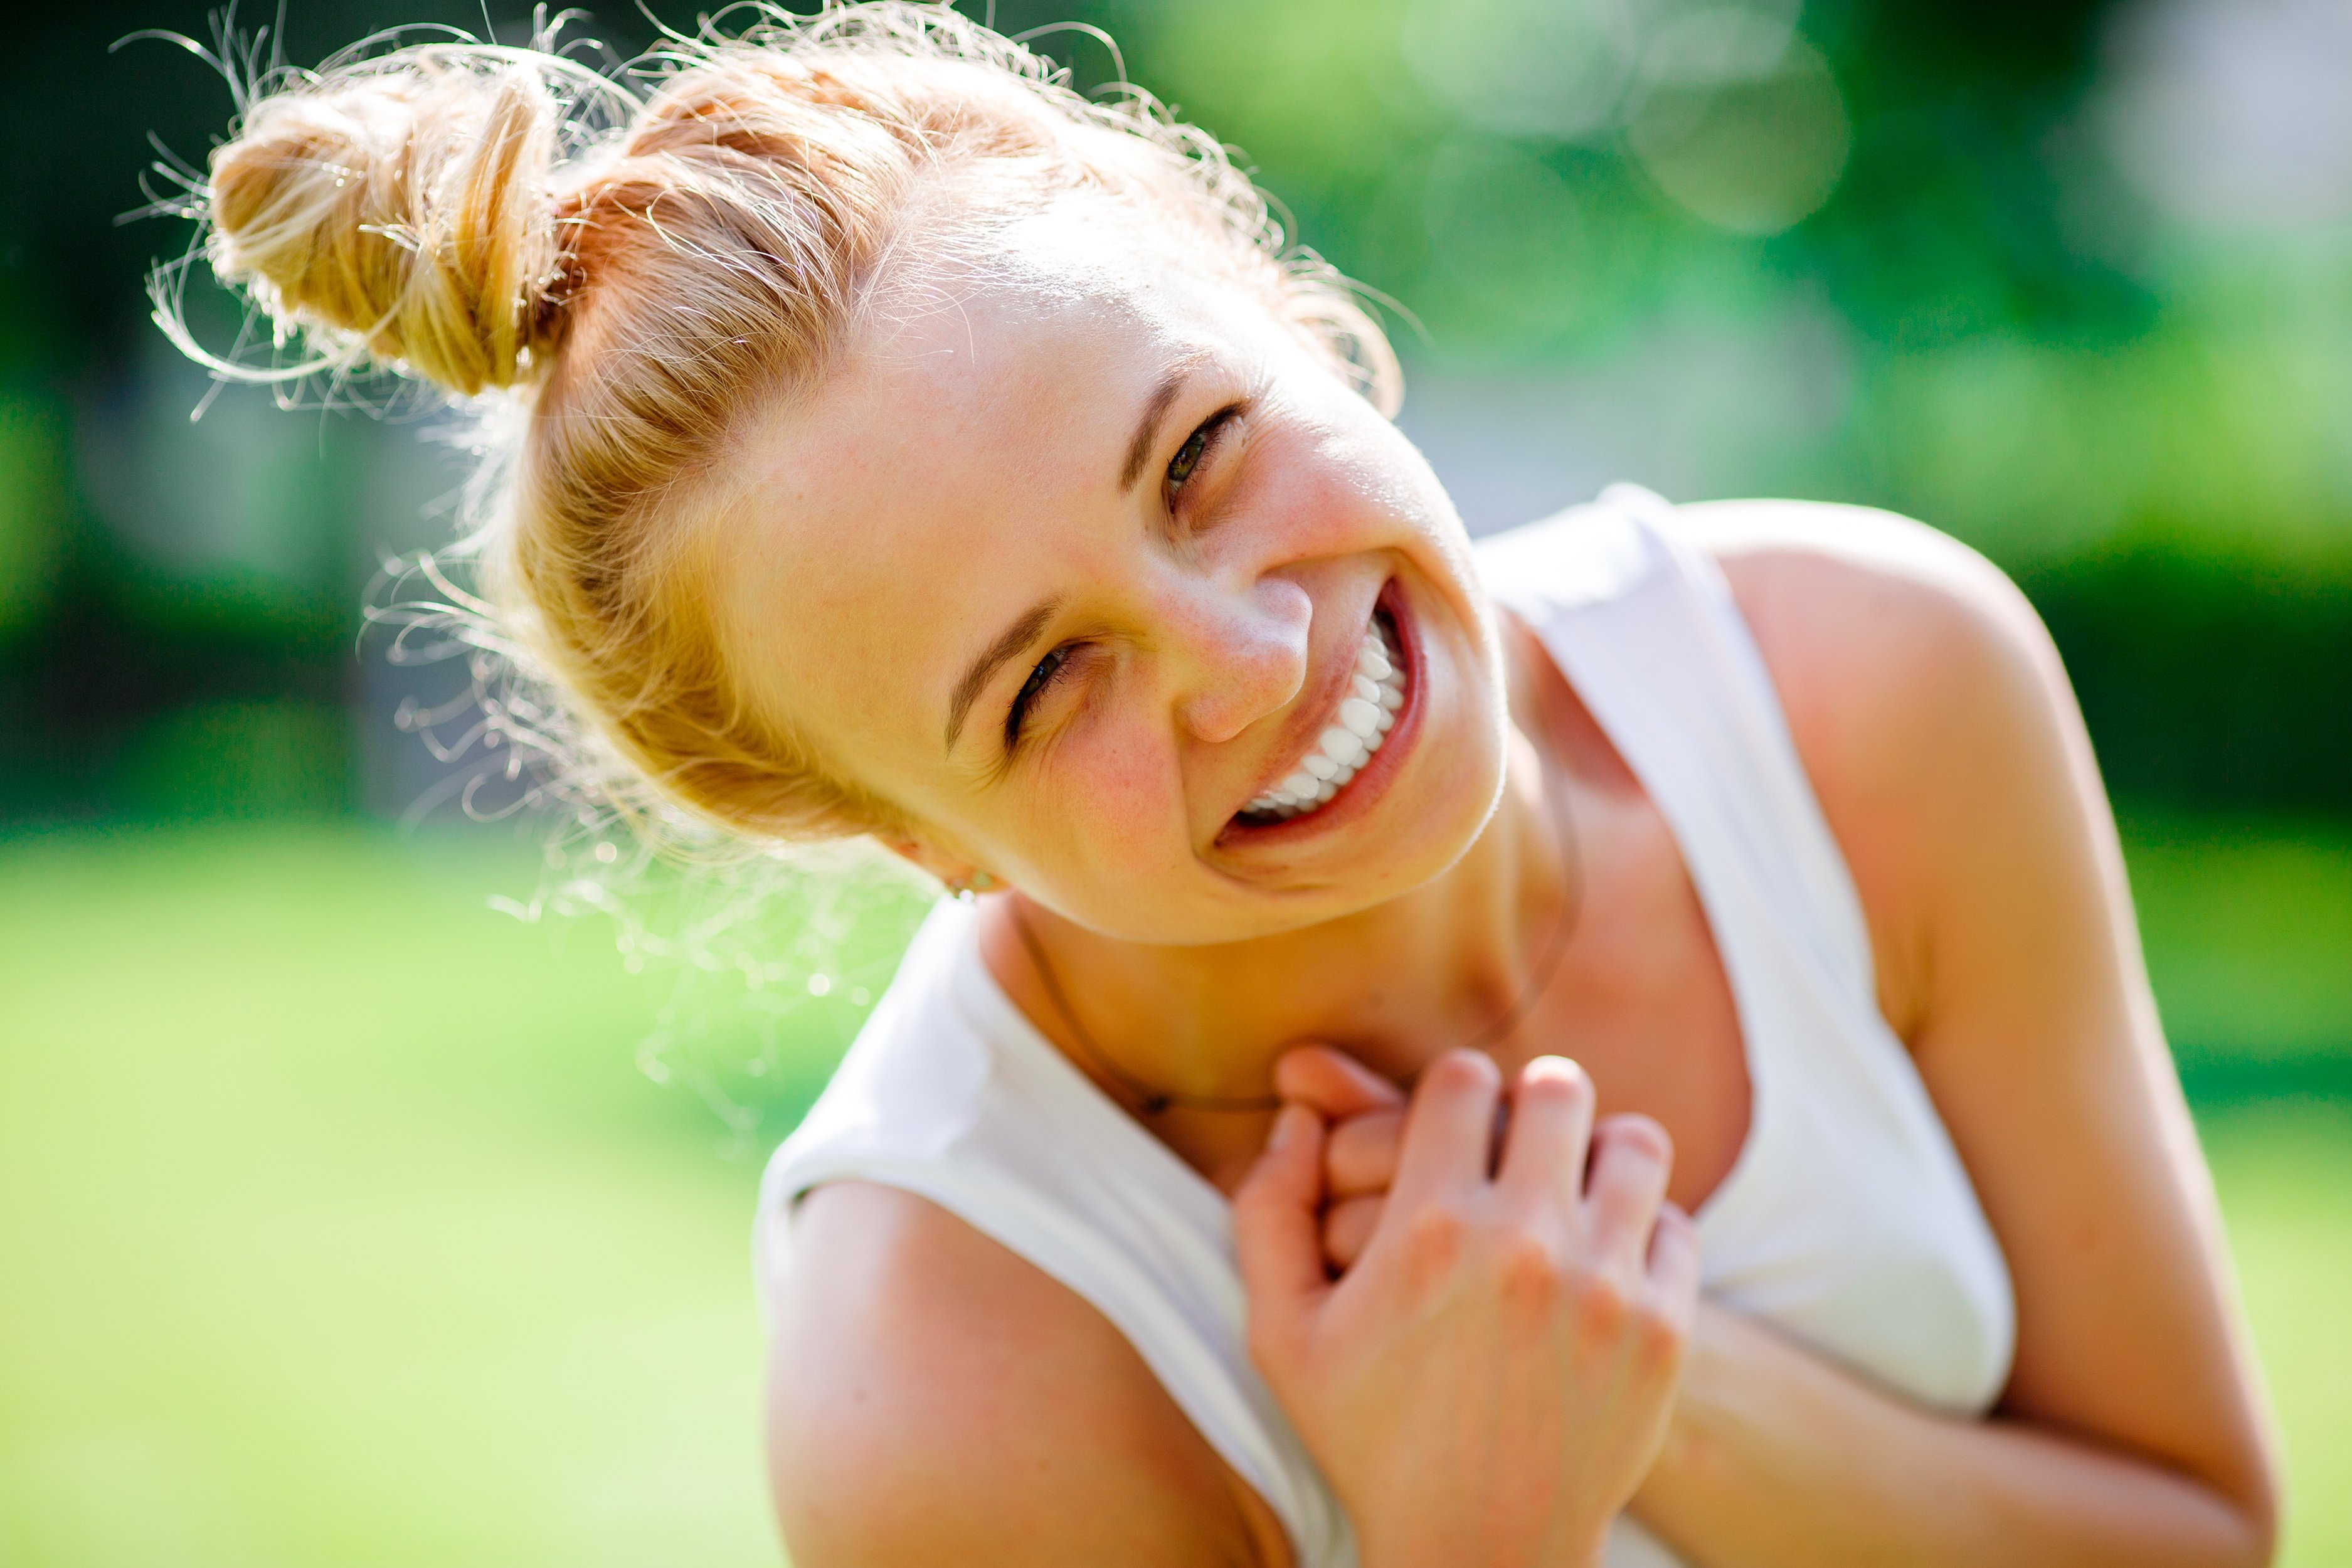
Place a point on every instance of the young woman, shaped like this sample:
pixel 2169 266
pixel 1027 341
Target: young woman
pixel 906 446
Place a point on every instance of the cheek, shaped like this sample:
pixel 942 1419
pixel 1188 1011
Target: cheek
pixel 1112 806
pixel 1349 487
pixel 1330 494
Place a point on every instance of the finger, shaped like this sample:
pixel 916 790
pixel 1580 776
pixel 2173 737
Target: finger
pixel 1362 1153
pixel 1674 1261
pixel 1330 1081
pixel 1348 1227
pixel 1551 1129
pixel 1449 1127
pixel 1631 1157
pixel 1277 1233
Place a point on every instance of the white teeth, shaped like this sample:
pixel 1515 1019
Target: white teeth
pixel 1342 745
pixel 1365 717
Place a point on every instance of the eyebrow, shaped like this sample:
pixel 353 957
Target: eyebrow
pixel 1014 637
pixel 1155 409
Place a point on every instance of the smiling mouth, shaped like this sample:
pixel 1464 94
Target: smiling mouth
pixel 1362 722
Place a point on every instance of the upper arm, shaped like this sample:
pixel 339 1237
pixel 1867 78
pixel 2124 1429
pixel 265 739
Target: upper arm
pixel 934 1398
pixel 1935 718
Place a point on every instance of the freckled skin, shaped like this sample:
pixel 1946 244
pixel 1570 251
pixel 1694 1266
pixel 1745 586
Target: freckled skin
pixel 972 455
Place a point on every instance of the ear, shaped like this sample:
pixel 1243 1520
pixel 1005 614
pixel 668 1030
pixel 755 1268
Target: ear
pixel 921 856
pixel 953 872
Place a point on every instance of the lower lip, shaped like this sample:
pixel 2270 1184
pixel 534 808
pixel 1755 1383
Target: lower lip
pixel 1364 792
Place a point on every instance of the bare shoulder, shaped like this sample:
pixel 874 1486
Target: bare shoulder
pixel 1930 709
pixel 935 1398
pixel 1863 614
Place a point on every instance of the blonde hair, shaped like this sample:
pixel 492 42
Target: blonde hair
pixel 632 270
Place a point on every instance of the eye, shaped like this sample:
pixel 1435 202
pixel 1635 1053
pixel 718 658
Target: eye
pixel 1196 446
pixel 1041 680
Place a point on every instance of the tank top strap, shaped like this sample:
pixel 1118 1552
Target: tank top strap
pixel 1644 627
pixel 1847 1220
pixel 952 1093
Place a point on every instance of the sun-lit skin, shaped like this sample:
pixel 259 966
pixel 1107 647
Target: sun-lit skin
pixel 972 443
pixel 1086 440
pixel 961 464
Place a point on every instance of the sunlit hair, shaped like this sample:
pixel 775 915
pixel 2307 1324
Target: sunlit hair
pixel 634 262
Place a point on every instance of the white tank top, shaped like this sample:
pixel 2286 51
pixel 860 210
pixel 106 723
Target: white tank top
pixel 1846 1220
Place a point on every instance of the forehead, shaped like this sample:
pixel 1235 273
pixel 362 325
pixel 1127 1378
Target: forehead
pixel 961 358
pixel 960 462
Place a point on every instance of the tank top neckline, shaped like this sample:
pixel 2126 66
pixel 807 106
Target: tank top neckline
pixel 1078 1104
pixel 1093 1114
pixel 1846 1221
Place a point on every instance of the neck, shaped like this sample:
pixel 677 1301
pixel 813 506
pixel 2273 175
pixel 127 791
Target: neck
pixel 1450 964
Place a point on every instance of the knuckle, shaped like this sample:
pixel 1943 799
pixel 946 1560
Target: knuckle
pixel 1532 1271
pixel 1437 1234
pixel 1604 1307
pixel 1659 1335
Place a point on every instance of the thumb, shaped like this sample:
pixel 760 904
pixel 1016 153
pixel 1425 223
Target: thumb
pixel 1278 1224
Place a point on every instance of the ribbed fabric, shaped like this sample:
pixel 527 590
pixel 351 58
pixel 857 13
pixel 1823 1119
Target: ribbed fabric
pixel 1846 1220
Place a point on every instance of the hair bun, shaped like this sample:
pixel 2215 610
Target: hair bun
pixel 402 204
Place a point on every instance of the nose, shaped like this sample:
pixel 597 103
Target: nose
pixel 1239 653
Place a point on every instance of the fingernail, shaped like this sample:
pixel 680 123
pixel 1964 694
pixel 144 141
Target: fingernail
pixel 1286 1128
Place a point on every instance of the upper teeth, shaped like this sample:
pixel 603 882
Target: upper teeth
pixel 1365 717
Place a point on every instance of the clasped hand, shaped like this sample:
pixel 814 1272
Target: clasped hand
pixel 1478 1344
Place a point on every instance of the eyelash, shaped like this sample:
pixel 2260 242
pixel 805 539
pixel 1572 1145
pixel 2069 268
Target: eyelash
pixel 1041 680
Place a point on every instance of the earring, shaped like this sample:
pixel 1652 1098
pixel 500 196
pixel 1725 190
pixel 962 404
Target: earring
pixel 972 882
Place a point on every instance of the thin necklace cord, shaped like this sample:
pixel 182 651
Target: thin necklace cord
pixel 1152 1100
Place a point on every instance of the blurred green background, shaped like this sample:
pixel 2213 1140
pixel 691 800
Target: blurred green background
pixel 350 1219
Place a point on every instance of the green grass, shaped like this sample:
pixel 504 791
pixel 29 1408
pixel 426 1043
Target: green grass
pixel 2284 1170
pixel 340 1226
pixel 343 1231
